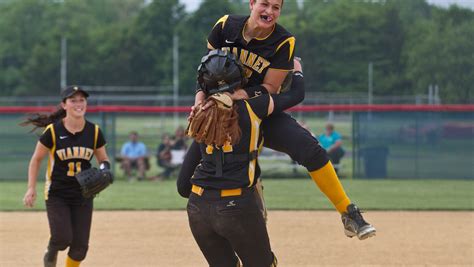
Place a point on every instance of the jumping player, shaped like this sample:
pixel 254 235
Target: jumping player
pixel 266 49
pixel 224 214
pixel 70 141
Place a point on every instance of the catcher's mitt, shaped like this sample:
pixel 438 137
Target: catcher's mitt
pixel 217 124
pixel 93 181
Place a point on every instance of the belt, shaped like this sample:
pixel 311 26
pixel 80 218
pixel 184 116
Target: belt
pixel 224 192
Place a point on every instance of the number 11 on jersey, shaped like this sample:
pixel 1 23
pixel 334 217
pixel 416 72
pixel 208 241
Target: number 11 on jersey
pixel 74 168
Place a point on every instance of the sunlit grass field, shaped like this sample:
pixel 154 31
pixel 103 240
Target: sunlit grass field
pixel 280 194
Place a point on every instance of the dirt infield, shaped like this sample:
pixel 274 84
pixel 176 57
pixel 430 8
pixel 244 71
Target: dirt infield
pixel 299 238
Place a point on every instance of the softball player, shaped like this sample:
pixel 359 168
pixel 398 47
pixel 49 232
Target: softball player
pixel 224 214
pixel 70 141
pixel 266 49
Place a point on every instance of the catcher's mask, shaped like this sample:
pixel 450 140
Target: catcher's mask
pixel 220 71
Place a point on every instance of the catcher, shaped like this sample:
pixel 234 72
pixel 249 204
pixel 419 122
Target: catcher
pixel 70 141
pixel 224 214
pixel 266 49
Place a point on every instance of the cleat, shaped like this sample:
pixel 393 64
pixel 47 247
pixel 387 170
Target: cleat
pixel 50 258
pixel 355 225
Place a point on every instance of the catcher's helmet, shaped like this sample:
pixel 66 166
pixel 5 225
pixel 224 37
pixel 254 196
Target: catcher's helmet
pixel 220 71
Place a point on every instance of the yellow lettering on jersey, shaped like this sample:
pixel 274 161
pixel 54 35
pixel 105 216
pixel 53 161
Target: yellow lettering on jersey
pixel 68 153
pixel 250 59
pixel 253 62
pixel 82 152
pixel 243 55
pixel 89 153
pixel 235 52
pixel 260 64
pixel 75 152
pixel 61 154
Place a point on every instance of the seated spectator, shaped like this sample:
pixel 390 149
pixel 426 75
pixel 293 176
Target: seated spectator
pixel 164 156
pixel 179 140
pixel 134 156
pixel 331 141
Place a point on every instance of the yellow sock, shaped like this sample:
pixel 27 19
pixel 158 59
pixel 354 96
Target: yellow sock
pixel 329 184
pixel 72 263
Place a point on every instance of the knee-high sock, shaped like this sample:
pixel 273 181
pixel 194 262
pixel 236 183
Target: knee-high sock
pixel 327 181
pixel 72 263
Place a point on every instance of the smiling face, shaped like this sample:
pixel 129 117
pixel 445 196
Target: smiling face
pixel 76 105
pixel 265 12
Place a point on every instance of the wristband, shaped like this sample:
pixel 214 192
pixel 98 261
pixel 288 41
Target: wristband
pixel 104 165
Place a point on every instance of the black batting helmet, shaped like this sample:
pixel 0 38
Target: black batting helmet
pixel 220 71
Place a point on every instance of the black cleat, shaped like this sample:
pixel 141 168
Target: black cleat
pixel 50 258
pixel 355 225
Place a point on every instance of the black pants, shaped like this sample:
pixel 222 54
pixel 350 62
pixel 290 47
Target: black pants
pixel 168 168
pixel 224 226
pixel 281 133
pixel 69 226
pixel 336 155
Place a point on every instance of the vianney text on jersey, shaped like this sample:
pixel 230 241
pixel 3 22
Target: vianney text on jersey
pixel 275 51
pixel 69 154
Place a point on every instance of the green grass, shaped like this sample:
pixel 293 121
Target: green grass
pixel 284 194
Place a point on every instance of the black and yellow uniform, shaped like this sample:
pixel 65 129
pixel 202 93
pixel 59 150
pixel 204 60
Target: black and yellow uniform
pixel 223 212
pixel 275 51
pixel 69 213
pixel 281 132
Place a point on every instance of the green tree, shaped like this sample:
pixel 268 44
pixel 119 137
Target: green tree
pixel 25 27
pixel 344 37
pixel 440 53
pixel 193 39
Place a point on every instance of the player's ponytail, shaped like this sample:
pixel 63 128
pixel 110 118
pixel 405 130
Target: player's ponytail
pixel 43 120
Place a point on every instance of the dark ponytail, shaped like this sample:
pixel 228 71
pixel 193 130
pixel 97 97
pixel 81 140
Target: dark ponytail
pixel 43 120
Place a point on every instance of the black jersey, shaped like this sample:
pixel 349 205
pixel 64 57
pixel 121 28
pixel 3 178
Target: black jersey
pixel 69 154
pixel 241 173
pixel 276 51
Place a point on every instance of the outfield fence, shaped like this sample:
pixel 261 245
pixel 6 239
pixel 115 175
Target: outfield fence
pixel 381 141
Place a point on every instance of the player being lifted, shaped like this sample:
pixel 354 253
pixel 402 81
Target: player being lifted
pixel 266 50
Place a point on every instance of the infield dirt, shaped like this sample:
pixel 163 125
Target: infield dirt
pixel 298 238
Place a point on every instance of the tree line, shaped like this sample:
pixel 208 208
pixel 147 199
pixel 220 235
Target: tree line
pixel 410 44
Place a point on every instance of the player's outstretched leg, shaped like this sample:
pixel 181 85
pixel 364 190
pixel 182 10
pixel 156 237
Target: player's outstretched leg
pixel 282 133
pixel 355 225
